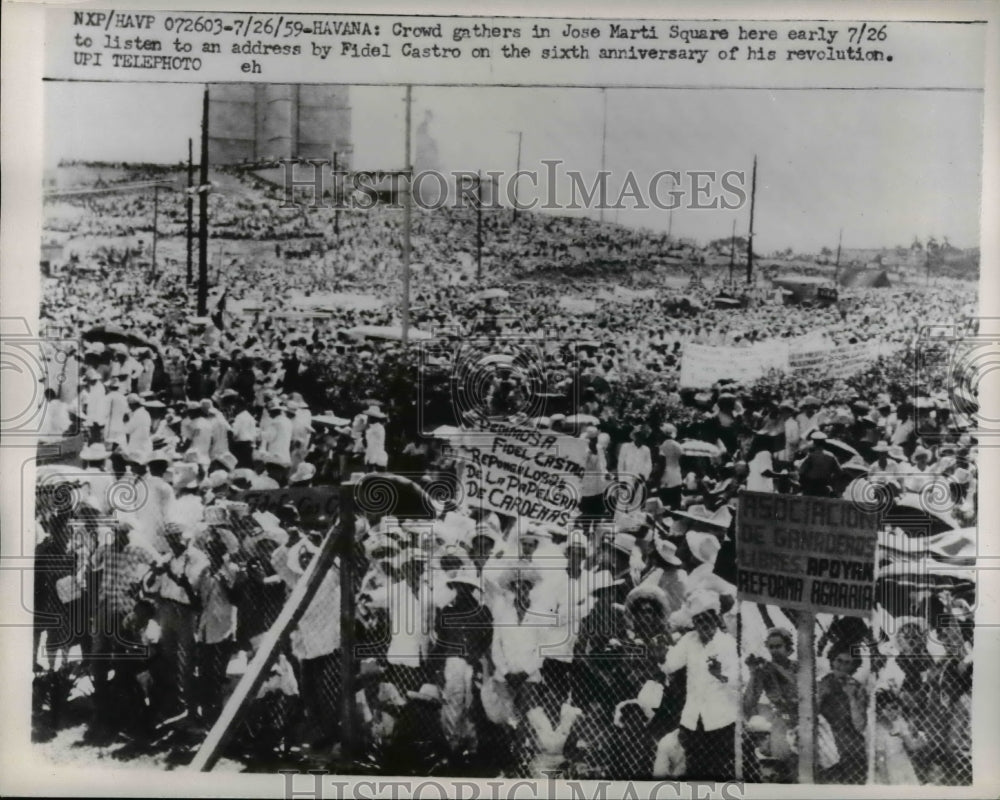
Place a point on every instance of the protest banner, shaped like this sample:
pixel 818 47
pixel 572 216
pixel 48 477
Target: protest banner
pixel 623 294
pixel 810 553
pixel 578 305
pixel 317 505
pixel 335 300
pixel 512 470
pixel 836 361
pixel 702 365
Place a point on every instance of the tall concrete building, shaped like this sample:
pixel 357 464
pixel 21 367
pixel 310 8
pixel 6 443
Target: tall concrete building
pixel 255 122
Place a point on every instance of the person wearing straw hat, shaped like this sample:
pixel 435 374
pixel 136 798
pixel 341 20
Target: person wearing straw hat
pixel 919 475
pixel 482 544
pixel 810 418
pixel 647 609
pixel 463 635
pixel 883 467
pixel 516 653
pixel 708 720
pixel 302 475
pixel 176 577
pixel 376 457
pixel 819 470
pixel 664 570
pixel 216 631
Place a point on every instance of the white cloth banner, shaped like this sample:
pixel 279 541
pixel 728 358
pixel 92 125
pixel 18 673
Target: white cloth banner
pixel 578 305
pixel 702 365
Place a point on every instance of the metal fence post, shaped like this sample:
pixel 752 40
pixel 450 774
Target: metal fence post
pixel 348 711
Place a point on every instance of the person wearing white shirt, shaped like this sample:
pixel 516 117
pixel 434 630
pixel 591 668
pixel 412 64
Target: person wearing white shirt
pixel 315 641
pixel 219 445
pixel 138 429
pixel 151 516
pixel 672 479
pixel 178 574
pixel 793 435
pixel 883 468
pixel 920 475
pixel 902 432
pixel 518 632
pixel 200 434
pixel 634 460
pixel 131 369
pixel 114 429
pixel 406 597
pixel 708 721
pixel 276 439
pixel 244 435
pixel 376 457
pixel 594 482
pixel 301 431
pixel 144 381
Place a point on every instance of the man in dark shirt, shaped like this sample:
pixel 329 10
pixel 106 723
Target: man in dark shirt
pixel 820 469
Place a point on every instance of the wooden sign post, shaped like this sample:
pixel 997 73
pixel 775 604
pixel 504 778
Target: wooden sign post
pixel 805 648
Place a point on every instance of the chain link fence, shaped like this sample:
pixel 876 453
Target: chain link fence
pixel 444 684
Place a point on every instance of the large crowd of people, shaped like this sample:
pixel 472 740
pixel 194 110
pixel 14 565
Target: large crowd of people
pixel 613 646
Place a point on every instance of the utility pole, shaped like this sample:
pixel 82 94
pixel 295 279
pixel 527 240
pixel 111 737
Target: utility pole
pixel 753 198
pixel 836 266
pixel 732 251
pixel 336 199
pixel 203 213
pixel 479 227
pixel 407 222
pixel 516 171
pixel 670 225
pixel 190 210
pixel 156 216
pixel 604 141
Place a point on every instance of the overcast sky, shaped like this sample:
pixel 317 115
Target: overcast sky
pixel 883 165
